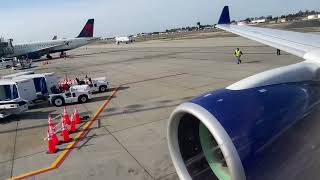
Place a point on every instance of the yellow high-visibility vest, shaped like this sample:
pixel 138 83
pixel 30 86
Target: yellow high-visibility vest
pixel 238 53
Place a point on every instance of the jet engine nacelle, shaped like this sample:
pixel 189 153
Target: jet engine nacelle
pixel 34 55
pixel 221 134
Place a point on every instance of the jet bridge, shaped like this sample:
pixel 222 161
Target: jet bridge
pixel 6 47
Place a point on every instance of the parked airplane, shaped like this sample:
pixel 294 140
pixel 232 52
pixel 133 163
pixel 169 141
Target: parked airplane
pixel 123 40
pixel 229 134
pixel 35 50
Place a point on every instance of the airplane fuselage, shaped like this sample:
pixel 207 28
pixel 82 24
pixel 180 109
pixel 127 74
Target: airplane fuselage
pixel 62 45
pixel 123 40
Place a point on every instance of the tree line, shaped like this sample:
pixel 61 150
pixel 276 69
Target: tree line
pixel 295 16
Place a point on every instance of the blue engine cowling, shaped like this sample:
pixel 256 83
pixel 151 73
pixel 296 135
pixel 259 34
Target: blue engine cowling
pixel 222 134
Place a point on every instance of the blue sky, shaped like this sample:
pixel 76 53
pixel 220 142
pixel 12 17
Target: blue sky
pixel 31 20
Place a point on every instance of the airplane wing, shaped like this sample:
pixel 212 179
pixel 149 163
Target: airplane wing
pixel 304 45
pixel 228 143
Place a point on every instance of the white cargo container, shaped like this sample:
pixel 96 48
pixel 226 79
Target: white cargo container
pixel 10 76
pixel 43 83
pixel 18 88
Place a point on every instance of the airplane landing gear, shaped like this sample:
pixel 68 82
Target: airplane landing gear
pixel 49 56
pixel 63 55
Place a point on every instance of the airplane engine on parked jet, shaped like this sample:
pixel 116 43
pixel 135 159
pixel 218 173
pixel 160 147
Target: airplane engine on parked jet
pixel 34 55
pixel 221 134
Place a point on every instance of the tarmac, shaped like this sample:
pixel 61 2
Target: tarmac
pixel 127 140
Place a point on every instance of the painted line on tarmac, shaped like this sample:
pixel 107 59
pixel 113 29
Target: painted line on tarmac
pixel 64 154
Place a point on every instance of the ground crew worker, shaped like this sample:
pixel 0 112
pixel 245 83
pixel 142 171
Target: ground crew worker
pixel 278 52
pixel 238 54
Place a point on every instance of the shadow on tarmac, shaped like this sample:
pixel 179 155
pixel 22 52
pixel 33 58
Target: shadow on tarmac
pixel 31 116
pixel 119 89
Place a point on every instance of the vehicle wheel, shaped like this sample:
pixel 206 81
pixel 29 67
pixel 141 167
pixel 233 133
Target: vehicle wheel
pixel 103 88
pixel 83 99
pixel 49 56
pixel 58 101
pixel 8 66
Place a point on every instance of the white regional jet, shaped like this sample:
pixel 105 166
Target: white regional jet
pixel 35 50
pixel 123 40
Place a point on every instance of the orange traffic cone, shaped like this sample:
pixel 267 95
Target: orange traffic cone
pixel 65 132
pixel 65 116
pixel 51 145
pixel 53 134
pixel 76 115
pixel 73 124
pixel 45 62
pixel 50 121
pixel 52 130
pixel 55 138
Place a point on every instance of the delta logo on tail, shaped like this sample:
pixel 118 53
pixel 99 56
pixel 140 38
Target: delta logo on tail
pixel 87 30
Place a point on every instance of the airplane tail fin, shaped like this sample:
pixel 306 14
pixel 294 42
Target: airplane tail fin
pixel 225 16
pixel 87 30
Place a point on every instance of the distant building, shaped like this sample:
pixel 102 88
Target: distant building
pixel 209 27
pixel 283 20
pixel 257 21
pixel 242 22
pixel 315 16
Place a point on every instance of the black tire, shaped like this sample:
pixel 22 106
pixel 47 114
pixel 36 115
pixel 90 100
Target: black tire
pixel 8 66
pixel 58 101
pixel 103 88
pixel 49 56
pixel 83 99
